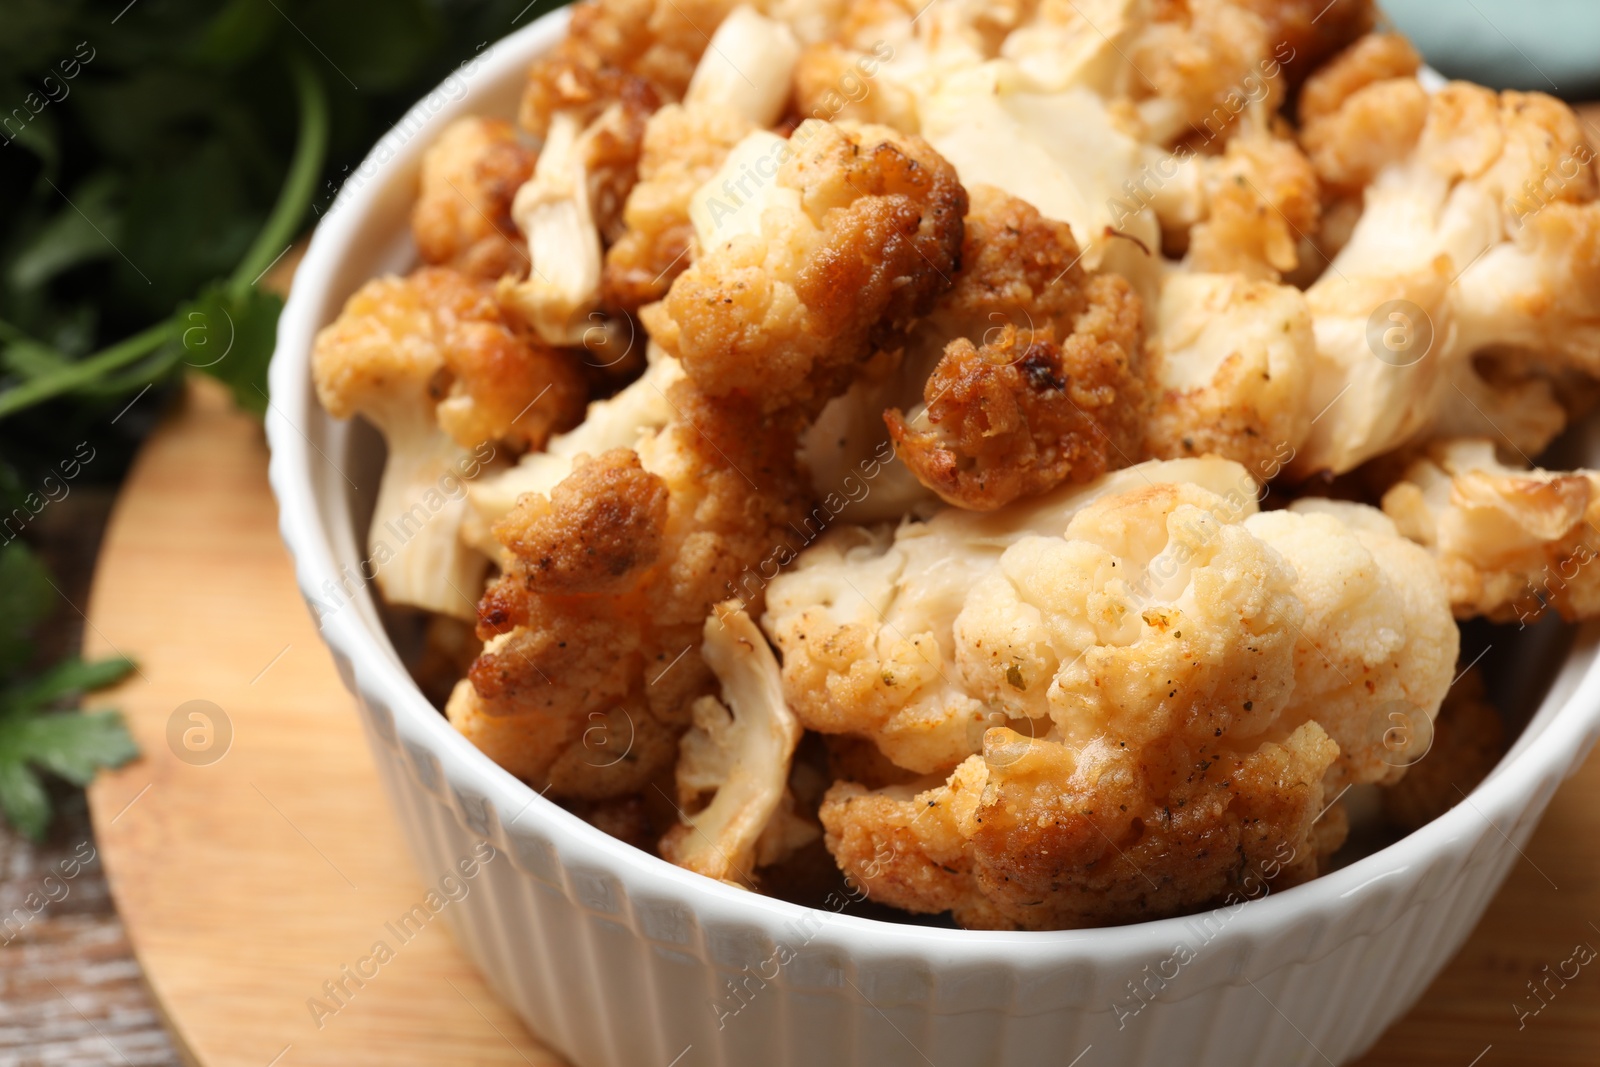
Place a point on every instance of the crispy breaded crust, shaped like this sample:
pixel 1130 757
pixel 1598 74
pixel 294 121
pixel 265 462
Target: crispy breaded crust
pixel 790 315
pixel 601 642
pixel 490 380
pixel 1027 836
pixel 462 217
pixel 603 524
pixel 1020 416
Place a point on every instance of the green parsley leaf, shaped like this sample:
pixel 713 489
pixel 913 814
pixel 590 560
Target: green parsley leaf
pixel 26 597
pixel 229 334
pixel 70 677
pixel 33 737
pixel 23 799
pixel 73 744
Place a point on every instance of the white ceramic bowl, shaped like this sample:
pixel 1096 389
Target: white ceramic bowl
pixel 619 959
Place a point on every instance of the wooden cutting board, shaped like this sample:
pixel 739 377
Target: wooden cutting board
pixel 245 884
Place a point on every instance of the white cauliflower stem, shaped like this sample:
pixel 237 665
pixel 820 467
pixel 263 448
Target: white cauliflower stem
pixel 431 361
pixel 739 749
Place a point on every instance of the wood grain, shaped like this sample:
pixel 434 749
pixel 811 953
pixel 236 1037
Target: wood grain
pixel 70 989
pixel 247 884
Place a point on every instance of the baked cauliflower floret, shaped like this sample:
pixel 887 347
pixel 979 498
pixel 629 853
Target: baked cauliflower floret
pixel 1229 370
pixel 1155 616
pixel 1019 272
pixel 1192 66
pixel 462 217
pixel 685 144
pixel 433 363
pixel 635 413
pixel 1019 417
pixel 884 635
pixel 1510 543
pixel 738 751
pixel 861 231
pixel 1039 835
pixel 682 150
pixel 1024 412
pixel 652 44
pixel 1377 648
pixel 1447 259
pixel 1262 201
pixel 1362 111
pixel 591 633
pixel 1156 685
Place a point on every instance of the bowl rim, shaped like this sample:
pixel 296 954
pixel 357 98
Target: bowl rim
pixel 1560 743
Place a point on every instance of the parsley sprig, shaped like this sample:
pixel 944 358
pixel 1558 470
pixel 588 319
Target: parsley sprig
pixel 229 314
pixel 37 732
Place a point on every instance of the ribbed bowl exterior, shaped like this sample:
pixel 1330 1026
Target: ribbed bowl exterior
pixel 618 959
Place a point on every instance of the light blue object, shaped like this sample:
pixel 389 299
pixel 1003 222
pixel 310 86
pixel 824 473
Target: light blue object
pixel 1549 45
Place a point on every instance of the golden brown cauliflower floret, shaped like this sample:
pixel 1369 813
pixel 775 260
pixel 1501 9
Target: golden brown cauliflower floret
pixel 1263 201
pixel 432 361
pixel 1481 235
pixel 1229 370
pixel 1469 737
pixel 685 145
pixel 1196 62
pixel 590 666
pixel 596 530
pixel 682 150
pixel 922 639
pixel 1019 272
pixel 1133 714
pixel 1130 675
pixel 1377 649
pixel 610 43
pixel 1363 110
pixel 1037 835
pixel 1025 413
pixel 861 231
pixel 1509 543
pixel 1017 268
pixel 622 420
pixel 462 217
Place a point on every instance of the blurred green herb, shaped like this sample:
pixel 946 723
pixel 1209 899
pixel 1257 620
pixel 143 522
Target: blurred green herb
pixel 156 159
pixel 196 327
pixel 35 735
